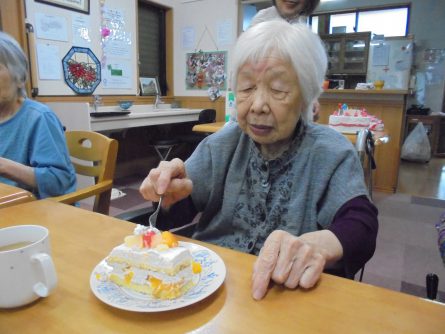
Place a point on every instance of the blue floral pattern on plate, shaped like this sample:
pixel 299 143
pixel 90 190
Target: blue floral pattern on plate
pixel 208 281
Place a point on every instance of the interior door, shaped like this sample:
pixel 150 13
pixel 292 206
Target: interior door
pixel 14 24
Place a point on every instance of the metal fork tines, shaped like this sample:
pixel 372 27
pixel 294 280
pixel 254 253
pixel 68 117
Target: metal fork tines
pixel 153 217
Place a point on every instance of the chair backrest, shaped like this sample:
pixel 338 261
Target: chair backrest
pixel 207 116
pixel 93 147
pixel 94 155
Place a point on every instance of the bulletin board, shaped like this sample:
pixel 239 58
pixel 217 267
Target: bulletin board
pixel 391 60
pixel 75 52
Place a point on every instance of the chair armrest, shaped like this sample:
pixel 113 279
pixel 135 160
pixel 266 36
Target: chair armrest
pixel 84 192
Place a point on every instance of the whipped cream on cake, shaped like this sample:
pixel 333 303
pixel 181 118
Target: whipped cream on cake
pixel 153 263
pixel 347 120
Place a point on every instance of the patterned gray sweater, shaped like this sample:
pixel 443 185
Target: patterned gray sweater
pixel 244 197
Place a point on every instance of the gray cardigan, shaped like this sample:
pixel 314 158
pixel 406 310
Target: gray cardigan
pixel 327 174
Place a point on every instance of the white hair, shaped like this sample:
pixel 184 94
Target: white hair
pixel 14 59
pixel 293 42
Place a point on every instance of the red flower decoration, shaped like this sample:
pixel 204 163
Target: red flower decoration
pixel 83 75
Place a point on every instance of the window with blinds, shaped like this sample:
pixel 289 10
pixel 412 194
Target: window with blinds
pixel 152 53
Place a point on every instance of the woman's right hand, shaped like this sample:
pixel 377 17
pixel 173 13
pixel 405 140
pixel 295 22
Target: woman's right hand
pixel 168 179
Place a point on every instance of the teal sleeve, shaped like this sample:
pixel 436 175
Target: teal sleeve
pixel 49 157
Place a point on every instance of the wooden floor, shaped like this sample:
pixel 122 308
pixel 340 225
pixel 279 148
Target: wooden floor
pixel 423 179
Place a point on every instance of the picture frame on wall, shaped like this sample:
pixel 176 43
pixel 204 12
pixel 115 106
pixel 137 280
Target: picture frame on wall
pixel 149 86
pixel 82 6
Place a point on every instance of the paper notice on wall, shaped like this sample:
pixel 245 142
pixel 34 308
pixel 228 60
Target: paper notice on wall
pixel 117 74
pixel 48 62
pixel 117 48
pixel 116 39
pixel 81 30
pixel 380 55
pixel 188 38
pixel 51 27
pixel 224 32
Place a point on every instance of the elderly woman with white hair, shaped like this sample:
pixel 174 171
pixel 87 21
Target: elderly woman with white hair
pixel 33 152
pixel 274 183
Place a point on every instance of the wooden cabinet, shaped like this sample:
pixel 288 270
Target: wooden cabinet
pixel 387 105
pixel 435 128
pixel 347 53
pixel 334 46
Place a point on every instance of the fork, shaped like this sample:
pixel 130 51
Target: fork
pixel 153 217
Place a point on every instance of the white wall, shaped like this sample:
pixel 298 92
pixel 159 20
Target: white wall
pixel 92 24
pixel 201 15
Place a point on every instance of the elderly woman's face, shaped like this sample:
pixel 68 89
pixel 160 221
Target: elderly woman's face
pixel 268 100
pixel 8 87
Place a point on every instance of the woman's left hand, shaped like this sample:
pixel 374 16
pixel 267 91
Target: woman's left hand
pixel 291 261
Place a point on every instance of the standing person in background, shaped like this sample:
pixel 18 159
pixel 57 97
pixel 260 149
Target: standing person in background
pixel 293 11
pixel 33 151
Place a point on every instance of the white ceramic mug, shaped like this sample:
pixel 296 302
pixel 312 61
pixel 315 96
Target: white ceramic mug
pixel 27 270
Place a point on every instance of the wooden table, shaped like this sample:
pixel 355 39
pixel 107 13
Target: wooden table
pixel 10 195
pixel 208 127
pixel 214 127
pixel 80 239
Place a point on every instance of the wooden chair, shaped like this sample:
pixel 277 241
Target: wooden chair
pixel 94 156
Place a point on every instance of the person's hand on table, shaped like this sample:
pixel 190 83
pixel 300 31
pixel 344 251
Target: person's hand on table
pixel 293 261
pixel 168 179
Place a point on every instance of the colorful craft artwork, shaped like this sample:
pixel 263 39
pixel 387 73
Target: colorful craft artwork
pixel 206 70
pixel 81 70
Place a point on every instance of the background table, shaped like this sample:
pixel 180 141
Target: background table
pixel 208 127
pixel 10 195
pixel 214 127
pixel 80 239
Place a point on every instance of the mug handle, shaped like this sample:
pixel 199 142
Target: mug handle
pixel 43 289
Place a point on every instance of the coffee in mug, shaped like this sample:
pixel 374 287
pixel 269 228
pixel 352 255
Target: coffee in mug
pixel 15 245
pixel 27 269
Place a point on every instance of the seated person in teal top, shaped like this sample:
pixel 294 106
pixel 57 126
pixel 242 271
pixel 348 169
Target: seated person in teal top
pixel 275 184
pixel 33 151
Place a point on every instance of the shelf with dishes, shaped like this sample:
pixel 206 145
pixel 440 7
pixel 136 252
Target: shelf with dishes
pixel 347 53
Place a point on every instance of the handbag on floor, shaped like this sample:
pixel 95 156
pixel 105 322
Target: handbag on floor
pixel 417 145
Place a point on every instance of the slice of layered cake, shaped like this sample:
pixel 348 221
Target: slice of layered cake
pixel 153 263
